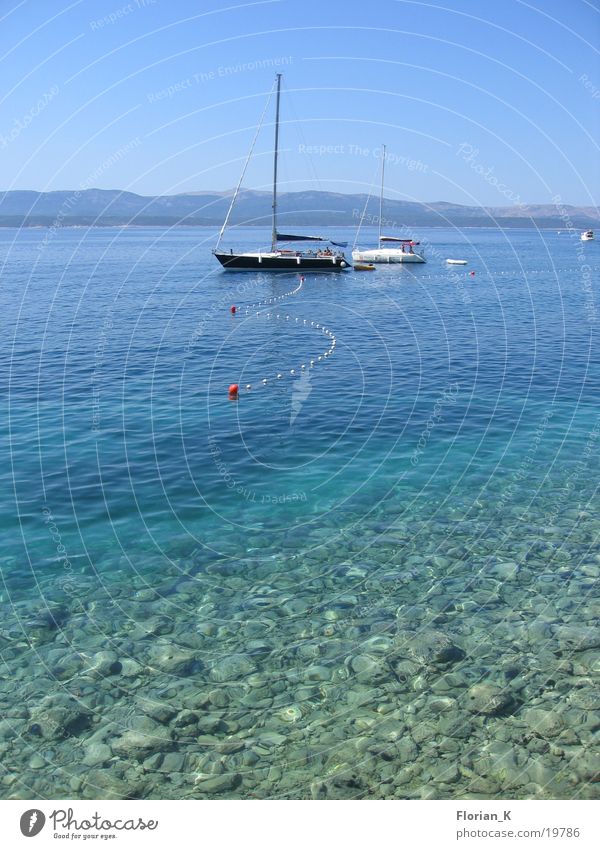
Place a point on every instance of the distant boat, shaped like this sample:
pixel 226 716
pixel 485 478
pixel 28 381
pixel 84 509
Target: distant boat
pixel 381 254
pixel 587 236
pixel 275 259
pixel 456 261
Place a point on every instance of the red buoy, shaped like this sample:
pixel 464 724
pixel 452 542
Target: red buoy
pixel 472 273
pixel 233 310
pixel 234 391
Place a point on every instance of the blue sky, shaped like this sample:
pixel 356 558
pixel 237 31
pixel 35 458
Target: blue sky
pixel 491 103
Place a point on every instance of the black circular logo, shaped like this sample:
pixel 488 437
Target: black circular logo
pixel 32 822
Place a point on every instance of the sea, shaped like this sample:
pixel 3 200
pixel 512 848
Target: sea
pixel 370 573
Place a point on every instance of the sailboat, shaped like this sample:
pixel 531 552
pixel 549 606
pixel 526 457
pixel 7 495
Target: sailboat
pixel 383 254
pixel 276 259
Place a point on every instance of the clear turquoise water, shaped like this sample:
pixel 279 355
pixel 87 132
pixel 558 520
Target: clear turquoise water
pixel 452 437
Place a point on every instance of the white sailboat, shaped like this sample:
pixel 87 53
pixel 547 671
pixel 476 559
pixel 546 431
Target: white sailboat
pixel 383 254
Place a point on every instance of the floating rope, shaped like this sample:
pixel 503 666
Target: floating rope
pixel 235 388
pixel 249 307
pixel 303 367
pixel 443 273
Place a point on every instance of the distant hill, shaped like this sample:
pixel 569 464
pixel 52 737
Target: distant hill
pixel 99 207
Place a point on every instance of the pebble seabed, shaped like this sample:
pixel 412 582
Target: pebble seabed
pixel 434 657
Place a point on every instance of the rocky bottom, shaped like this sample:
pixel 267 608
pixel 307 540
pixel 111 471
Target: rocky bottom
pixel 426 659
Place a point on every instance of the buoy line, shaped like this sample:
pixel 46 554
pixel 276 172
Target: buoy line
pixel 525 272
pixel 249 307
pixel 443 273
pixel 235 389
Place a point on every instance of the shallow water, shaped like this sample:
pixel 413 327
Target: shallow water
pixel 376 577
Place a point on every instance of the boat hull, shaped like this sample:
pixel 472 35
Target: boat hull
pixel 385 256
pixel 280 262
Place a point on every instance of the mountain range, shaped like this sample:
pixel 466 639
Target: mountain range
pixel 101 207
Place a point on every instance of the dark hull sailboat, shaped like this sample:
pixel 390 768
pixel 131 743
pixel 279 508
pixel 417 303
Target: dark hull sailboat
pixel 275 259
pixel 281 261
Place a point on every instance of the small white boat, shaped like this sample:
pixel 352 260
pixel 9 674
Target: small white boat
pixel 587 236
pixel 456 261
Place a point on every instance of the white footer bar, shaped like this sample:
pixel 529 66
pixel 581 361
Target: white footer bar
pixel 283 824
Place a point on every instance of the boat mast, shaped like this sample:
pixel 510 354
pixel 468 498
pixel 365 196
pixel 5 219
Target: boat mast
pixel 381 192
pixel 274 238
